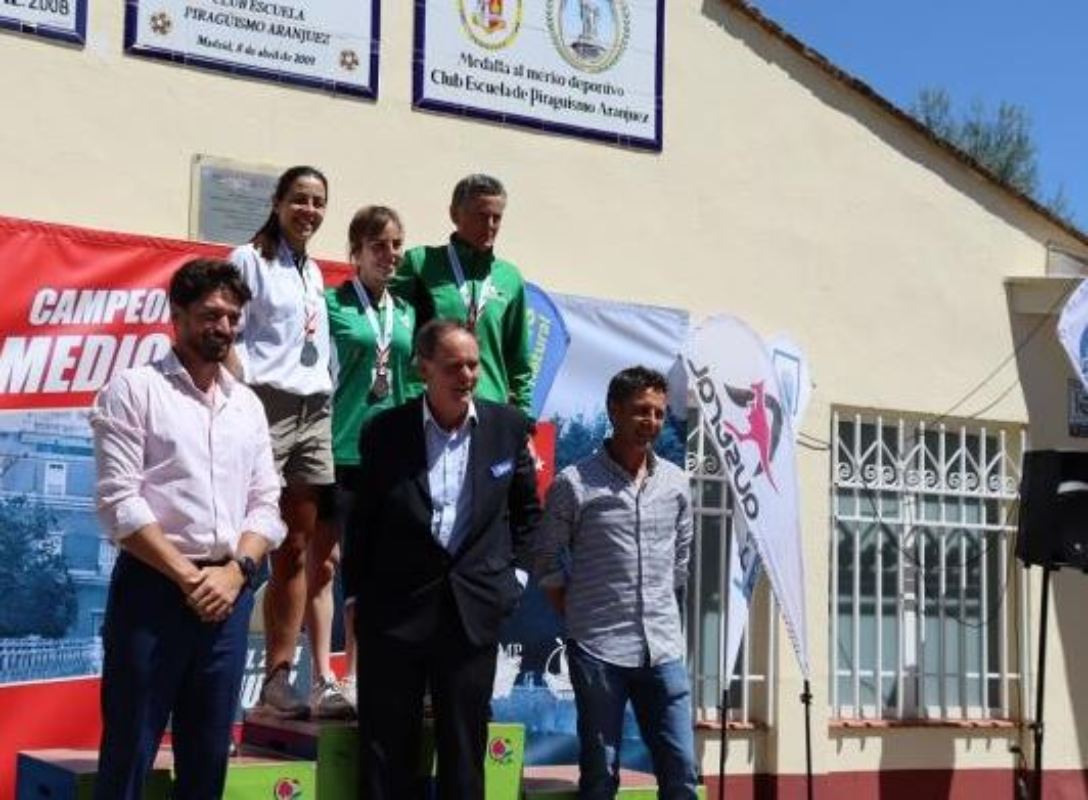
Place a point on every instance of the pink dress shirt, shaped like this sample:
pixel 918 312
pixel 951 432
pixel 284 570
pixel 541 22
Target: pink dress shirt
pixel 199 464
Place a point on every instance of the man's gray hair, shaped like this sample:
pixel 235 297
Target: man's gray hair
pixel 476 185
pixel 434 331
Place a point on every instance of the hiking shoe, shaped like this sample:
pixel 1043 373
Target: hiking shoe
pixel 328 702
pixel 279 697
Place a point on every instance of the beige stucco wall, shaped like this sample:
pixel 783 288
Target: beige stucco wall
pixel 781 196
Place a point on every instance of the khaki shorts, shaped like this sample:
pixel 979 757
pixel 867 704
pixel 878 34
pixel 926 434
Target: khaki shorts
pixel 301 430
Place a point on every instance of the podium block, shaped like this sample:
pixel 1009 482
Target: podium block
pixel 258 776
pixel 504 761
pixel 334 745
pixel 71 774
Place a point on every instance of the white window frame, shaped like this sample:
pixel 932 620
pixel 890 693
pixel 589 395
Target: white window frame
pixel 752 682
pixel 889 486
pixel 51 485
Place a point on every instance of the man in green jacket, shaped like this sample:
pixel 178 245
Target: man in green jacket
pixel 463 280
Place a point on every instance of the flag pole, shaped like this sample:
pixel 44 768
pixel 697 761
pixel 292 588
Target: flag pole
pixel 806 698
pixel 722 742
pixel 1037 725
pixel 726 670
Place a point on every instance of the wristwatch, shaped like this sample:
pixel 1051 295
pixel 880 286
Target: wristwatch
pixel 249 570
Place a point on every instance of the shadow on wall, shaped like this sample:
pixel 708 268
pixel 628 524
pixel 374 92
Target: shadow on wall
pixel 929 758
pixel 919 763
pixel 915 763
pixel 1069 595
pixel 750 774
pixel 877 114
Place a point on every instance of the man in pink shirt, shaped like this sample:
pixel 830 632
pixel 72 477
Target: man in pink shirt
pixel 188 492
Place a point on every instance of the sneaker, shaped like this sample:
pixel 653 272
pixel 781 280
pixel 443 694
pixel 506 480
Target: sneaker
pixel 328 702
pixel 279 697
pixel 348 689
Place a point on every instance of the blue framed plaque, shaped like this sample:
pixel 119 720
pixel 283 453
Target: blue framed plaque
pixel 62 20
pixel 585 68
pixel 321 44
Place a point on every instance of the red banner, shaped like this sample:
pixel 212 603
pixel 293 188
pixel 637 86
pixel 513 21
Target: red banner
pixel 80 306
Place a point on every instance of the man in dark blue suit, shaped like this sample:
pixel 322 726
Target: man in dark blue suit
pixel 446 506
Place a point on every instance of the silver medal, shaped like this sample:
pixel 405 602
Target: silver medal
pixel 308 357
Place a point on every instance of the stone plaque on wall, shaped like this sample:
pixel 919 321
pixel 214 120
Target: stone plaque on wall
pixel 230 199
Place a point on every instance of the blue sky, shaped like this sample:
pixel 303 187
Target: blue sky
pixel 1034 54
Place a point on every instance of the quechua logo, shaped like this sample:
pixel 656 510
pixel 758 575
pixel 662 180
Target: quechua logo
pixel 764 414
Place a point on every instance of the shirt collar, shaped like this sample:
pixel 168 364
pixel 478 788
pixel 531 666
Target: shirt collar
pixel 170 364
pixel 286 256
pixel 429 420
pixel 619 469
pixel 469 255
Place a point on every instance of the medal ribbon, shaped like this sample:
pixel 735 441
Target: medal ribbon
pixel 474 306
pixel 383 334
pixel 309 303
pixel 309 355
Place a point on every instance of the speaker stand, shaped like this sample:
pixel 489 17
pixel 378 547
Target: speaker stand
pixel 1037 726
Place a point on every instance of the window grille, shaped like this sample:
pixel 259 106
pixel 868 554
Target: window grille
pixel 928 603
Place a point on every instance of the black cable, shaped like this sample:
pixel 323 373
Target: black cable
pixel 990 609
pixel 995 401
pixel 875 684
pixel 917 527
pixel 989 376
pixel 911 441
pixel 905 555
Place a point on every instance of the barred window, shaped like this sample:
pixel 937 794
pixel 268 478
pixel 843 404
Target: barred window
pixel 928 603
pixel 752 677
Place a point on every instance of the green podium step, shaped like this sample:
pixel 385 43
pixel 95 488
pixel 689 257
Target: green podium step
pixel 261 776
pixel 331 744
pixel 71 774
pixel 561 783
pixel 505 761
pixel 334 745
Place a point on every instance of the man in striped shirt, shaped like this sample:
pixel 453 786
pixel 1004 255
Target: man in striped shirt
pixel 612 559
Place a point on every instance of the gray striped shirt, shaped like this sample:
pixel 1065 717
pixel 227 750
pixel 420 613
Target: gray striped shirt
pixel 622 551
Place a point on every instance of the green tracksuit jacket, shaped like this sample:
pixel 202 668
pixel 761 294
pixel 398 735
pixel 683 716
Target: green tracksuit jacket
pixel 426 281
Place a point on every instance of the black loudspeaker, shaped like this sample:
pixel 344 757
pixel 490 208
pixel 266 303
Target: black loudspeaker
pixel 1053 525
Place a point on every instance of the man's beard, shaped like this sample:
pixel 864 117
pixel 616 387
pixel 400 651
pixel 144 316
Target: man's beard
pixel 213 348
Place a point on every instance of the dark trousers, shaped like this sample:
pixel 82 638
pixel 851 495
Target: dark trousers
pixel 161 660
pixel 392 677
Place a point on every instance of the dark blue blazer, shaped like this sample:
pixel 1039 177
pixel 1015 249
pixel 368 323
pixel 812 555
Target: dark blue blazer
pixel 402 579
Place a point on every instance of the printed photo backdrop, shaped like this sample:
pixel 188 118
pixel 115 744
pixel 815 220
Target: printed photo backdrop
pixel 82 305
